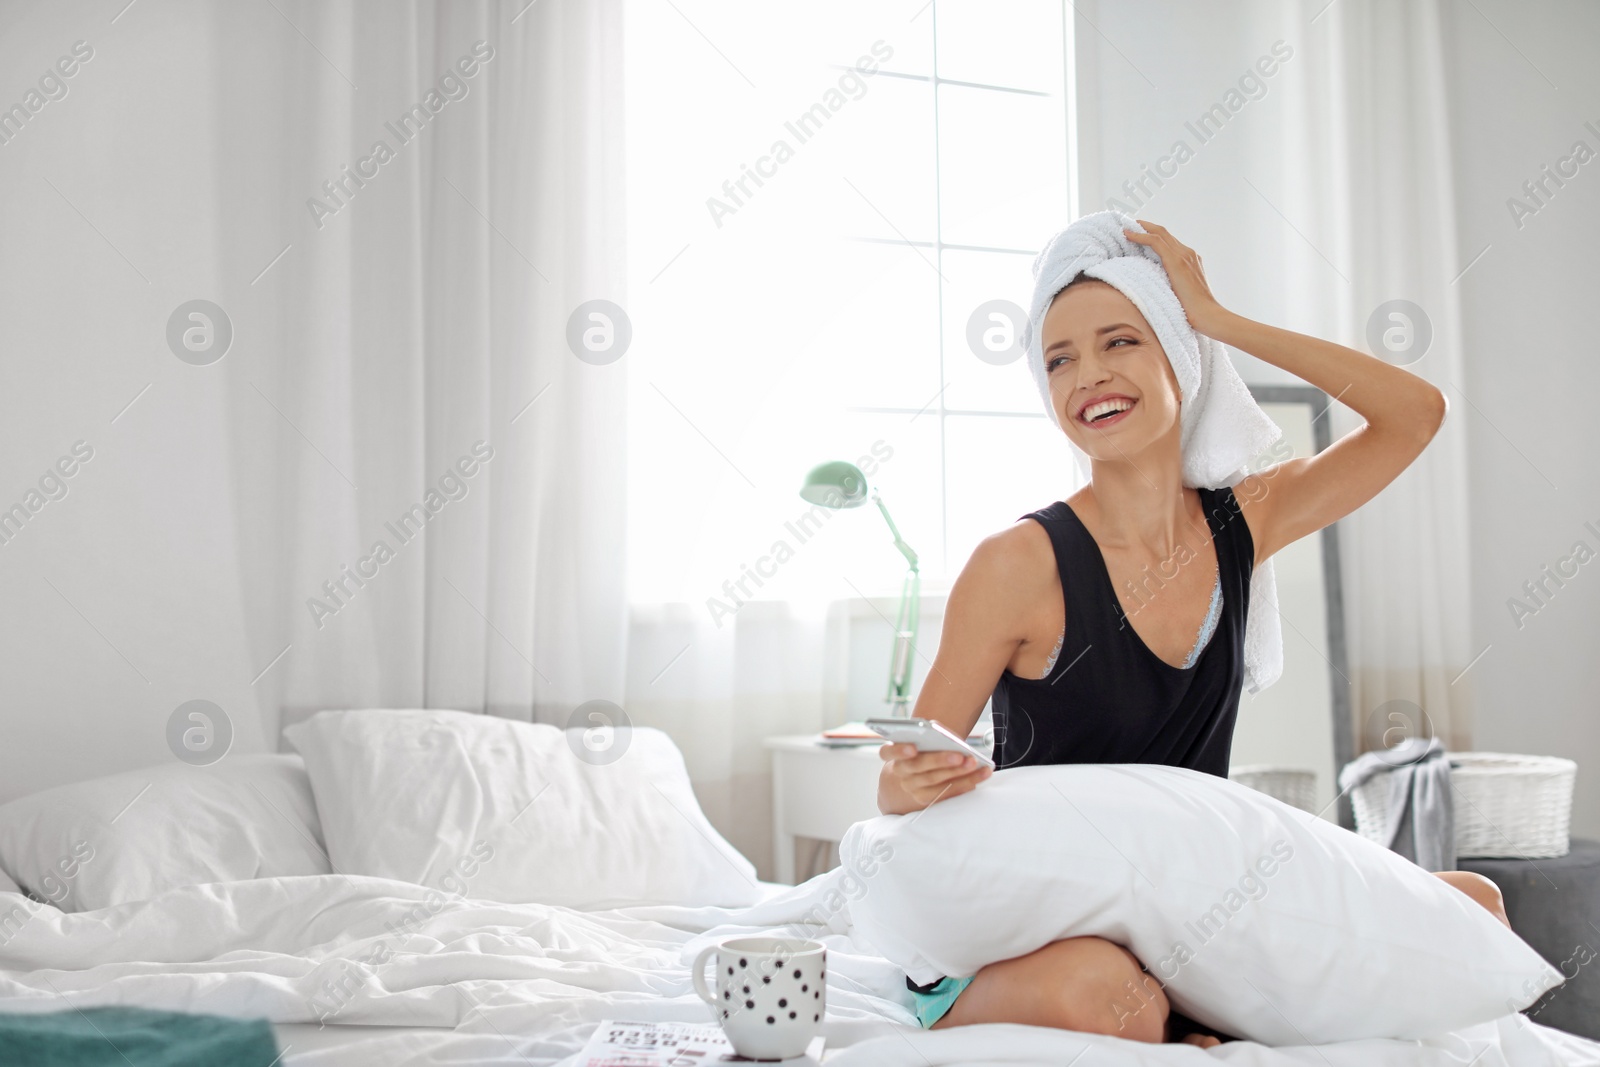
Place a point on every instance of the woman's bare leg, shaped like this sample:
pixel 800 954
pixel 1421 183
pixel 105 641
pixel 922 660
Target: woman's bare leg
pixel 1479 888
pixel 1087 984
pixel 1095 986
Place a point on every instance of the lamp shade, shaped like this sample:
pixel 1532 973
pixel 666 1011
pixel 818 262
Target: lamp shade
pixel 835 484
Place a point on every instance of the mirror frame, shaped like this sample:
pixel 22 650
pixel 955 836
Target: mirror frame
pixel 1333 590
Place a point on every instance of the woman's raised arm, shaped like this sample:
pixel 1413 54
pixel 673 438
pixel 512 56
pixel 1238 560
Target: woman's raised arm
pixel 1289 500
pixel 1300 496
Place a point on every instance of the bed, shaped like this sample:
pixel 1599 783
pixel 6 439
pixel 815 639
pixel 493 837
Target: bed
pixel 363 968
pixel 527 983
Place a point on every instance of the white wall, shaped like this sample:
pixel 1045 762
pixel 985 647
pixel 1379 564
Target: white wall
pixel 122 599
pixel 1525 82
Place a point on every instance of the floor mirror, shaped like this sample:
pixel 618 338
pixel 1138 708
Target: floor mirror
pixel 1303 719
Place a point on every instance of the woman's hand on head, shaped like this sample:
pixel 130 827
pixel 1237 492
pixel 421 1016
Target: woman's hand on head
pixel 928 777
pixel 1184 271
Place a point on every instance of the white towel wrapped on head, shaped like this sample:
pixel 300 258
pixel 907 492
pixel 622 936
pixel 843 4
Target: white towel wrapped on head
pixel 1221 427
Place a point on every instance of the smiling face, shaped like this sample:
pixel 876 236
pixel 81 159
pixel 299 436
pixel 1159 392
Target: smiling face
pixel 1111 384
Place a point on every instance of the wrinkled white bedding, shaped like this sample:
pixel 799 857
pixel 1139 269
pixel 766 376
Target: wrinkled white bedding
pixel 526 983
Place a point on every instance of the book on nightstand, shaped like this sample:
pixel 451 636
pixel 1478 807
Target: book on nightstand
pixel 859 733
pixel 848 734
pixel 617 1043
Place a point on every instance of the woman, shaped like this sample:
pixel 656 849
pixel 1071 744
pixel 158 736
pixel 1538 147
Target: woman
pixel 1161 684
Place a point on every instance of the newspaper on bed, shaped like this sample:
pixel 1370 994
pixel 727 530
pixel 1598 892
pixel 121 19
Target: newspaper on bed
pixel 617 1043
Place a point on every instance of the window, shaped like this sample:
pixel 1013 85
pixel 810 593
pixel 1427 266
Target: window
pixel 807 249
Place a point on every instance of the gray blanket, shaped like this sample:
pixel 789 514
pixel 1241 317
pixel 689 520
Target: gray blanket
pixel 1422 825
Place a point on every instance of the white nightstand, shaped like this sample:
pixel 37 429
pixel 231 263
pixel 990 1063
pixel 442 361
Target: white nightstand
pixel 818 792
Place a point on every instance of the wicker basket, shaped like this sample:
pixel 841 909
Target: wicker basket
pixel 1506 805
pixel 1295 786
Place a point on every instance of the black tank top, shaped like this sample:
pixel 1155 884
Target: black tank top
pixel 1108 698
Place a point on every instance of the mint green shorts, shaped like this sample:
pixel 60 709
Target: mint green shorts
pixel 931 1005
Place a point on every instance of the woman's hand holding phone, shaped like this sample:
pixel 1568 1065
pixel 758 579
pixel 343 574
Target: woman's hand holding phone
pixel 928 777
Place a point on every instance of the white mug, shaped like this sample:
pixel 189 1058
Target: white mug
pixel 770 996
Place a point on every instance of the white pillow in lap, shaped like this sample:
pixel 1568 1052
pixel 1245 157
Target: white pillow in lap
pixel 496 809
pixel 130 836
pixel 1257 918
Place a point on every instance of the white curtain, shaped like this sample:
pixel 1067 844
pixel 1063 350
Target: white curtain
pixel 775 668
pixel 1362 168
pixel 1405 553
pixel 391 311
pixel 418 328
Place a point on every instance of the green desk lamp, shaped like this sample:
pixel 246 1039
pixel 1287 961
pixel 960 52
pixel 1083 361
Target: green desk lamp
pixel 838 484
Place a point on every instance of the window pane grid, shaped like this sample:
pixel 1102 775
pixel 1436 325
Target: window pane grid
pixel 947 244
pixel 936 80
pixel 939 409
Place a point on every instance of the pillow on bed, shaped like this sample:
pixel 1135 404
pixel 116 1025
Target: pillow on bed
pixel 7 885
pixel 1257 918
pixel 131 836
pixel 497 809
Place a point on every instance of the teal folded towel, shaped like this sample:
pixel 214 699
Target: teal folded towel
pixel 138 1037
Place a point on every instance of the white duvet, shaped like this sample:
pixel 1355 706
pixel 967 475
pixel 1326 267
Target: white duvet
pixel 526 983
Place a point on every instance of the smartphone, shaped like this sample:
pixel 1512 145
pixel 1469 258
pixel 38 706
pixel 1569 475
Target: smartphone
pixel 927 735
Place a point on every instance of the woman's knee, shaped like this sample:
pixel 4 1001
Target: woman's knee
pixel 1111 986
pixel 1479 888
pixel 1100 988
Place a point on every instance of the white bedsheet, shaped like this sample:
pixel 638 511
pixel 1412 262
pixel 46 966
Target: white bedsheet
pixel 526 983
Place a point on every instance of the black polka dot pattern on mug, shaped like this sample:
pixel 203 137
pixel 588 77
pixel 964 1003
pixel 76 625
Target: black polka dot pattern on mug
pixel 774 1006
